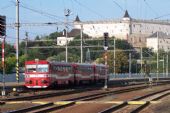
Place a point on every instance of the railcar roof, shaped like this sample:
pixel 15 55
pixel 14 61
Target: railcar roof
pixel 35 62
pixel 62 63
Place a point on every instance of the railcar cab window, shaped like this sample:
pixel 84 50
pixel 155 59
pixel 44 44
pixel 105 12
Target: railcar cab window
pixel 37 68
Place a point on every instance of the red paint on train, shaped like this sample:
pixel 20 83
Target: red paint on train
pixel 42 73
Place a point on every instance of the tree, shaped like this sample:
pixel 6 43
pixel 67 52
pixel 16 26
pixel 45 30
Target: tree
pixel 121 62
pixel 61 57
pixel 10 63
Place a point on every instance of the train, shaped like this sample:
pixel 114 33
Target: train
pixel 44 74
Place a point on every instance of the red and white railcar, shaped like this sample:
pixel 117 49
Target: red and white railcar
pixel 42 73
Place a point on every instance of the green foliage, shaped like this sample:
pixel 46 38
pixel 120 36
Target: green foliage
pixel 10 63
pixel 121 62
pixel 58 54
pixel 22 60
pixel 61 57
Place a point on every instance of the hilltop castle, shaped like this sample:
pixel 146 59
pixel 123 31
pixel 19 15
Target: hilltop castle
pixel 135 31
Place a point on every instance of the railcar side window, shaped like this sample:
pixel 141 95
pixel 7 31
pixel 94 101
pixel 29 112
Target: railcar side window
pixel 61 68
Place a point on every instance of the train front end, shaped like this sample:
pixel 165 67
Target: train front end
pixel 37 74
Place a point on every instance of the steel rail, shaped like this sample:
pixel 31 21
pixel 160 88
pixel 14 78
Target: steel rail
pixel 120 106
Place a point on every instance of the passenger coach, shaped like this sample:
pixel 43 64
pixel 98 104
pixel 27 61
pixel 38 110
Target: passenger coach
pixel 42 73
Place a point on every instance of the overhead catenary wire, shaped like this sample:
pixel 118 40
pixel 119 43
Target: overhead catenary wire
pixel 162 16
pixel 119 6
pixel 150 7
pixel 51 16
pixel 96 13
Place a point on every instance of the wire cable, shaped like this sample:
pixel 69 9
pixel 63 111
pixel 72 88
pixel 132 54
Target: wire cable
pixel 89 9
pixel 118 6
pixel 151 8
pixel 51 16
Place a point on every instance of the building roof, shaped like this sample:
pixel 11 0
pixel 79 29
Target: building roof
pixel 74 32
pixel 159 35
pixel 126 15
pixel 77 19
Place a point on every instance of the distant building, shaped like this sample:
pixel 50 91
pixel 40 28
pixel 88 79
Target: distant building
pixel 61 41
pixel 135 31
pixel 159 40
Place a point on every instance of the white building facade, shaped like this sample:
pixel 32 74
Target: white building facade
pixel 159 41
pixel 61 41
pixel 133 30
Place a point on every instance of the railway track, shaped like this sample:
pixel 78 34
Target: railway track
pixel 51 106
pixel 59 93
pixel 132 106
pixel 69 102
pixel 48 107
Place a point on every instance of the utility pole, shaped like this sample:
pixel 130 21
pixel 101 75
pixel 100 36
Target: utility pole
pixel 81 35
pixel 2 37
pixel 141 61
pixel 163 66
pixel 17 40
pixel 157 68
pixel 106 36
pixel 3 65
pixel 114 55
pixel 130 63
pixel 167 65
pixel 67 14
pixel 26 44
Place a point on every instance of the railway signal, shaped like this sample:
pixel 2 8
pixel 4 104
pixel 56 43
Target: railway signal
pixel 106 36
pixel 2 25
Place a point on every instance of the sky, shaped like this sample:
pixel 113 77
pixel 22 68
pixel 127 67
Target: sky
pixel 44 11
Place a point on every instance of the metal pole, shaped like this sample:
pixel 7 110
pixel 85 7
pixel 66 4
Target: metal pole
pixel 114 62
pixel 3 65
pixel 163 66
pixel 157 57
pixel 130 65
pixel 81 35
pixel 26 43
pixel 141 61
pixel 105 86
pixel 17 40
pixel 66 40
pixel 167 65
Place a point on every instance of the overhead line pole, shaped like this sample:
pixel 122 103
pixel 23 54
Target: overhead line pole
pixel 3 65
pixel 167 65
pixel 17 40
pixel 141 61
pixel 81 35
pixel 130 63
pixel 157 68
pixel 114 61
pixel 26 44
pixel 67 13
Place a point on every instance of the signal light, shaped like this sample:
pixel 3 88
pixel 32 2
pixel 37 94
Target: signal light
pixel 2 25
pixel 106 36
